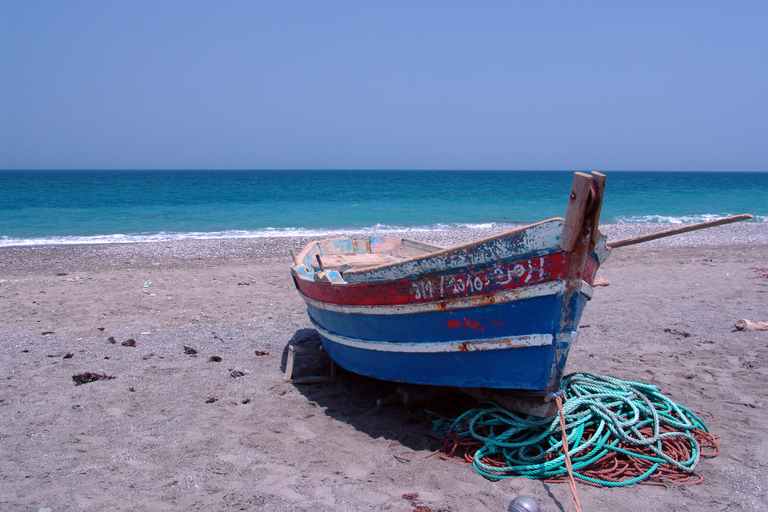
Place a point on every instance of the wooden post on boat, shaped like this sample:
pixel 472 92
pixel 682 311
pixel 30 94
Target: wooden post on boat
pixel 596 206
pixel 577 209
pixel 583 214
pixel 580 227
pixel 580 230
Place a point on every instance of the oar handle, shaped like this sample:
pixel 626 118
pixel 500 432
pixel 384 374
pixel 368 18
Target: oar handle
pixel 676 231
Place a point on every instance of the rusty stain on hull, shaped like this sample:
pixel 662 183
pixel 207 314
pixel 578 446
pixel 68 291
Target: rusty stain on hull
pixel 470 345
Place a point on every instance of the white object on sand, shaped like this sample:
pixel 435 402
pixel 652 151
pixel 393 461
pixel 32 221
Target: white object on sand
pixel 746 325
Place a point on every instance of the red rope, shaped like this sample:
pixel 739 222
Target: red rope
pixel 571 481
pixel 613 467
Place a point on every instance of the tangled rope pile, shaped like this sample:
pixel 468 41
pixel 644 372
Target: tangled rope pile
pixel 618 432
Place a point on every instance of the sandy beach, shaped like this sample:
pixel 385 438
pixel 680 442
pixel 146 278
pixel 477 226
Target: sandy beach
pixel 175 430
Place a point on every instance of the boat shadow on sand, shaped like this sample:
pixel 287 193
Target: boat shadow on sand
pixel 372 406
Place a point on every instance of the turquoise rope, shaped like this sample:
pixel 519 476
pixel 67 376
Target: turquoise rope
pixel 615 409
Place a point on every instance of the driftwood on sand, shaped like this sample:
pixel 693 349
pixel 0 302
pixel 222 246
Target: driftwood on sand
pixel 746 325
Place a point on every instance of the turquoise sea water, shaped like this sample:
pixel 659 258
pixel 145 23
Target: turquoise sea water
pixel 60 207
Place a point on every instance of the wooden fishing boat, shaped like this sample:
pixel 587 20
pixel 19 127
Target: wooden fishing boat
pixel 498 313
pixel 501 312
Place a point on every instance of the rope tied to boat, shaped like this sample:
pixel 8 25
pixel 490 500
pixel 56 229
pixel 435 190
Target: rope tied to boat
pixel 618 433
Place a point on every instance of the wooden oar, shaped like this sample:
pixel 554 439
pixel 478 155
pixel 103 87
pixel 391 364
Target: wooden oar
pixel 676 231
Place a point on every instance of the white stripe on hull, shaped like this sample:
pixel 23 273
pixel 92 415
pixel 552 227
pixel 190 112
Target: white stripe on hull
pixel 531 340
pixel 551 288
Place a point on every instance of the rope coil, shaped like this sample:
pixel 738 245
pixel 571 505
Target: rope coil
pixel 618 433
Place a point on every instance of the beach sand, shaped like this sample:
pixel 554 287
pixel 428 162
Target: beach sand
pixel 153 438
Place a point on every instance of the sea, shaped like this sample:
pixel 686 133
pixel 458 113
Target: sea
pixel 55 207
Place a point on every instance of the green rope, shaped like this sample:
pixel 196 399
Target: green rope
pixel 600 412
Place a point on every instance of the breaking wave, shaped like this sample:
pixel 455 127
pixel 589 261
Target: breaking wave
pixel 259 233
pixel 680 219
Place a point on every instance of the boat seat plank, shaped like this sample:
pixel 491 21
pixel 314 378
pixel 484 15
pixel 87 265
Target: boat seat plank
pixel 353 260
pixel 367 260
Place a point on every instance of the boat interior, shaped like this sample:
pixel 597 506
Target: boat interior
pixel 355 257
pixel 341 254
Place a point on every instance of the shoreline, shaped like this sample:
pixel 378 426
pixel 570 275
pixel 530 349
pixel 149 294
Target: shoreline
pixel 756 229
pixel 243 250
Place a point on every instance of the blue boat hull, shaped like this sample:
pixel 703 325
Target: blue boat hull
pixel 519 345
pixel 528 367
pixel 531 316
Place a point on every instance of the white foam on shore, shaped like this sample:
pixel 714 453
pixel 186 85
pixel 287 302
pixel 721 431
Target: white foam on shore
pixel 683 219
pixel 639 225
pixel 216 235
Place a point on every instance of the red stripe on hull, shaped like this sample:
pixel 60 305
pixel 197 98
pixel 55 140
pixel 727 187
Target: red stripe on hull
pixel 456 285
pixel 590 269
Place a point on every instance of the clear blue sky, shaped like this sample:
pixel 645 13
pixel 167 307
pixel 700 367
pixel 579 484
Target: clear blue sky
pixel 384 85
